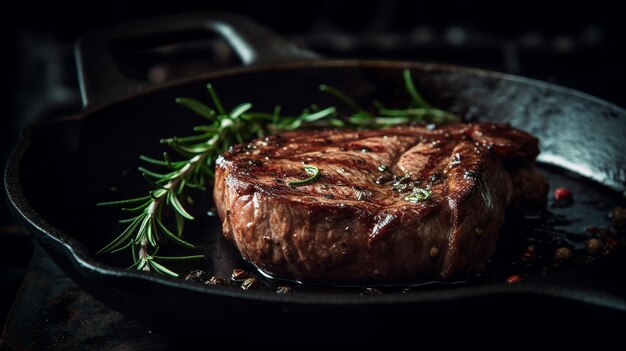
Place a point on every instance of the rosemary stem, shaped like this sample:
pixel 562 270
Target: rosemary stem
pixel 143 252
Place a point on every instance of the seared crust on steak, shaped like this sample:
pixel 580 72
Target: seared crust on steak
pixel 354 224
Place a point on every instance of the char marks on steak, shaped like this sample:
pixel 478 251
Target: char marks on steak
pixel 354 224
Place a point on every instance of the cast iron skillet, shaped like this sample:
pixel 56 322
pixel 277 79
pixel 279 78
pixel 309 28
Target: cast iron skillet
pixel 62 168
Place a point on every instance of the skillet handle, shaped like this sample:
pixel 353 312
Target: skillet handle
pixel 101 79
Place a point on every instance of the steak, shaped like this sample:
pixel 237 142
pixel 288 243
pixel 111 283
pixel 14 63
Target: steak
pixel 402 203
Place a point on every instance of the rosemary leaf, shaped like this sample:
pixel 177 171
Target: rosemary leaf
pixel 138 208
pixel 189 139
pixel 153 161
pixel 121 248
pixel 126 234
pixel 134 264
pixel 142 264
pixel 179 258
pixel 168 162
pixel 208 129
pixel 159 268
pixel 319 114
pixel 342 97
pixel 124 202
pixel 151 182
pixel 127 220
pixel 418 101
pixel 142 228
pixel 151 173
pixel 157 193
pixel 132 250
pixel 151 233
pixel 315 173
pixel 216 100
pixel 197 107
pixel 173 237
pixel 179 208
pixel 239 110
pixel 391 120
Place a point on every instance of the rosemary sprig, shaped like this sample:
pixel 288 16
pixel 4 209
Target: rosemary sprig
pixel 146 227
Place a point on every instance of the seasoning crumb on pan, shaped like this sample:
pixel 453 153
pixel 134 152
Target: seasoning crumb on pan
pixel 515 278
pixel 283 290
pixel 372 291
pixel 216 281
pixel 239 275
pixel 249 283
pixel 196 275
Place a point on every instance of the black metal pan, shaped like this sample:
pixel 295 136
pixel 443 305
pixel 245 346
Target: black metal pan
pixel 61 169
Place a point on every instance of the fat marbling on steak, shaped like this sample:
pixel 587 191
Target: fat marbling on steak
pixel 354 223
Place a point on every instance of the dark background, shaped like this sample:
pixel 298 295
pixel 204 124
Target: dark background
pixel 580 46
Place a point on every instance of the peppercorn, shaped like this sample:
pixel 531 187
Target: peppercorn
pixel 562 254
pixel 594 246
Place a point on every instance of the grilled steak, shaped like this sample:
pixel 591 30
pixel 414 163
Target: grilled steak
pixel 402 203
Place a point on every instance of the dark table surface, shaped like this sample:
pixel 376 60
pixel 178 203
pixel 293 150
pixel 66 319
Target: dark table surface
pixel 51 312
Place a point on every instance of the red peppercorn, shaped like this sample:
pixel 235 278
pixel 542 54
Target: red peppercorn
pixel 611 245
pixel 515 278
pixel 562 196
